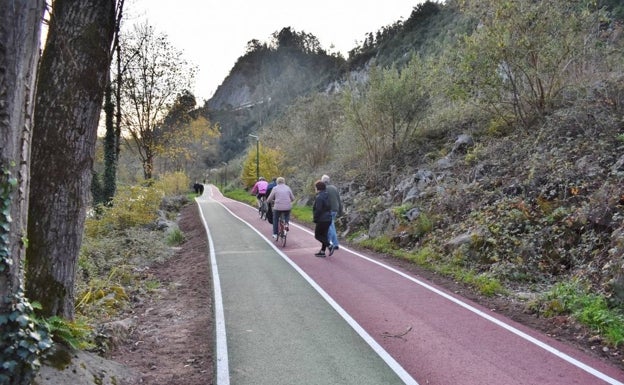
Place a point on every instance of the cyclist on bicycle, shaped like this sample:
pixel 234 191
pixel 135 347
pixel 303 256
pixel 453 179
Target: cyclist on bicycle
pixel 259 190
pixel 282 198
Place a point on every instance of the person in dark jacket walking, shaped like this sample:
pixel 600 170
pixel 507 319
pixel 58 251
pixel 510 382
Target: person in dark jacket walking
pixel 336 210
pixel 321 212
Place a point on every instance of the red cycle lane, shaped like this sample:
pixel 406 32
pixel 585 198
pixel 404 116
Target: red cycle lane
pixel 437 337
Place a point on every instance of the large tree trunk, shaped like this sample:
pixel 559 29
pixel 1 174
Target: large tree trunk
pixel 72 76
pixel 20 27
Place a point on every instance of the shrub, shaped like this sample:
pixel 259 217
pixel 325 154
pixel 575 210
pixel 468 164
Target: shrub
pixel 172 184
pixel 175 238
pixel 132 206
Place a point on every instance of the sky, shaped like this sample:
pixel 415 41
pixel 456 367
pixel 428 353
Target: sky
pixel 213 34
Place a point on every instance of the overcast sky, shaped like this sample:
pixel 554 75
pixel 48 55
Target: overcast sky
pixel 214 34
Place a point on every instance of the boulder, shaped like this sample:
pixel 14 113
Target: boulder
pixel 83 368
pixel 384 223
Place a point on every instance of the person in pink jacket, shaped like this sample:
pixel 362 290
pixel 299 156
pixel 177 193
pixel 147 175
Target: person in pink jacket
pixel 259 189
pixel 282 198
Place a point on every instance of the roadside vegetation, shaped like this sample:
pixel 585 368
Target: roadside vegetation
pixel 121 241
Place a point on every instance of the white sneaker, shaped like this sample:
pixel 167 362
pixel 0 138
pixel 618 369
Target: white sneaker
pixel 274 236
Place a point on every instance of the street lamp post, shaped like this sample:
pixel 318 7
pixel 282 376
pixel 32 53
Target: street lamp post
pixel 224 180
pixel 257 155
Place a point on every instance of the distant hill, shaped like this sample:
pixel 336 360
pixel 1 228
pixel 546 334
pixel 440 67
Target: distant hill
pixel 270 76
pixel 265 80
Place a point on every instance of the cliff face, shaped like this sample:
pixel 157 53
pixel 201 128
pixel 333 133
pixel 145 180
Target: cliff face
pixel 234 92
pixel 261 85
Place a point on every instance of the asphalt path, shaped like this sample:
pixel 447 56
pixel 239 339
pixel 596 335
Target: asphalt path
pixel 283 316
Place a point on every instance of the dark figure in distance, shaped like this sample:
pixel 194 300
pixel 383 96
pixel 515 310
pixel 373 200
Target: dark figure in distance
pixel 321 212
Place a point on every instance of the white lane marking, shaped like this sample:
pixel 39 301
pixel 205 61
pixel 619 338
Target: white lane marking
pixel 222 370
pixel 385 356
pixel 478 312
pixel 488 317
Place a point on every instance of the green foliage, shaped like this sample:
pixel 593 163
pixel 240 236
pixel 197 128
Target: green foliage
pixel 424 224
pixel 75 334
pixel 241 195
pixel 317 117
pixel 424 256
pixel 423 32
pixel 7 183
pixel 109 177
pixel 525 53
pixel 152 284
pixel 591 309
pixel 111 267
pixel 382 244
pixel 386 114
pixel 24 340
pixel 302 213
pixel 172 184
pixel 268 160
pixel 107 269
pixel 132 206
pixel 488 285
pixel 96 190
pixel 175 238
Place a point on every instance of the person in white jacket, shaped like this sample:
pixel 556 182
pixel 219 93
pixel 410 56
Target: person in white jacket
pixel 282 198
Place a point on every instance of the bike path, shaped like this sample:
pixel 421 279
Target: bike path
pixel 278 328
pixel 437 337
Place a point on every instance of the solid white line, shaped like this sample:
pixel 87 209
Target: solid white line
pixel 488 317
pixel 478 312
pixel 222 361
pixel 391 362
pixel 500 323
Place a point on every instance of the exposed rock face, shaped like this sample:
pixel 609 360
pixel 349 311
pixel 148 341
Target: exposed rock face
pixel 233 93
pixel 385 221
pixel 83 368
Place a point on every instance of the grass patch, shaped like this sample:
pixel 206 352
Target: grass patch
pixel 241 195
pixel 175 238
pixel 151 285
pixel 590 309
pixel 302 213
pixel 382 244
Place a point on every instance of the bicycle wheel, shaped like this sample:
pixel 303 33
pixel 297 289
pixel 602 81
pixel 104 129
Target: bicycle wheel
pixel 262 210
pixel 282 233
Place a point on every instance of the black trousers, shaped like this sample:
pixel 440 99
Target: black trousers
pixel 320 233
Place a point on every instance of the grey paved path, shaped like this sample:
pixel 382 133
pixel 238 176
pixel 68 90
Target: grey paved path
pixel 279 329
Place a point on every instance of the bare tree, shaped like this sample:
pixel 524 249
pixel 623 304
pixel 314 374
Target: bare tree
pixel 155 75
pixel 70 87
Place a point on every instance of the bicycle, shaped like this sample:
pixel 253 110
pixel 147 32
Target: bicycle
pixel 262 210
pixel 282 230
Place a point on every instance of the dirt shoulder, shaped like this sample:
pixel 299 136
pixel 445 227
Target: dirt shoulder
pixel 172 340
